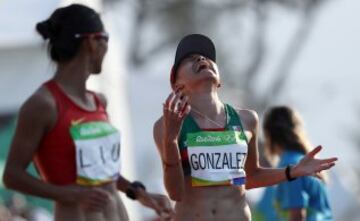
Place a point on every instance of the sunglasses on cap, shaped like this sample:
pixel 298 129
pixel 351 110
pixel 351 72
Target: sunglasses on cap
pixel 96 35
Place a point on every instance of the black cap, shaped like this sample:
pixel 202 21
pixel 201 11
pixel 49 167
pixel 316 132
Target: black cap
pixel 193 44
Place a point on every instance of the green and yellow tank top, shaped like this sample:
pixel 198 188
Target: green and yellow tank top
pixel 214 157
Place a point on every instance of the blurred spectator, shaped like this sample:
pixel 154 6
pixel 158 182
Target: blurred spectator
pixel 18 209
pixel 304 198
pixel 5 214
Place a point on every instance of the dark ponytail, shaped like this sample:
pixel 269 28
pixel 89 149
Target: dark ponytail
pixel 60 29
pixel 45 29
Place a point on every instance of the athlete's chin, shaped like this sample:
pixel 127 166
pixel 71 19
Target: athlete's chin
pixel 209 76
pixel 96 71
pixel 208 81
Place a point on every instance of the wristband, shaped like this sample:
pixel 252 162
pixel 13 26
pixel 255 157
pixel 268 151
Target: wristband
pixel 287 173
pixel 132 188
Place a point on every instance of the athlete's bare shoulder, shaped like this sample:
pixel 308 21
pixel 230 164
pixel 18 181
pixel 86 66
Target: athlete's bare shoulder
pixel 249 118
pixel 40 107
pixel 41 99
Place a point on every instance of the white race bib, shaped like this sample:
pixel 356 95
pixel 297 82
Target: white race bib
pixel 97 152
pixel 217 157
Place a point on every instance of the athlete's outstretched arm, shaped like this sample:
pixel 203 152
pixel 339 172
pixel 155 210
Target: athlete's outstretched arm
pixel 36 117
pixel 257 176
pixel 158 202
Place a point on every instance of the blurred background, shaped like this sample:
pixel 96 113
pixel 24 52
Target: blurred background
pixel 302 53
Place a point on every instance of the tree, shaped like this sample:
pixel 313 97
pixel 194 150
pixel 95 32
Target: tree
pixel 169 20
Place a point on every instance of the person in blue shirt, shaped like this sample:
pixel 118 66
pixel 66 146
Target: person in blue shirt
pixel 304 198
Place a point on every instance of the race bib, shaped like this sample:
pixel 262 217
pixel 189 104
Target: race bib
pixel 97 152
pixel 217 157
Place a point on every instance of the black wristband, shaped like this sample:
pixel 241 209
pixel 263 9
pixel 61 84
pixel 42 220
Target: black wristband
pixel 287 173
pixel 132 188
pixel 138 184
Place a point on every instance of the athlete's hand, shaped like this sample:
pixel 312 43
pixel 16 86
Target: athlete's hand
pixel 89 198
pixel 175 109
pixel 94 199
pixel 160 203
pixel 309 165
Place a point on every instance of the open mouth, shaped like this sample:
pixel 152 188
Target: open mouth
pixel 203 66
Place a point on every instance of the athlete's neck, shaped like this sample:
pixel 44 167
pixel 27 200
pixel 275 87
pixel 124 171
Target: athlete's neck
pixel 207 103
pixel 72 77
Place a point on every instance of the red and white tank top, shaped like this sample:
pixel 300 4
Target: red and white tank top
pixel 83 147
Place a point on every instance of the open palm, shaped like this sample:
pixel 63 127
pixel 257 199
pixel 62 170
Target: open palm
pixel 309 165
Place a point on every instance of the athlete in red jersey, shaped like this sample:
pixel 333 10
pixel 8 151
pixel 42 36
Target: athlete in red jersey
pixel 65 129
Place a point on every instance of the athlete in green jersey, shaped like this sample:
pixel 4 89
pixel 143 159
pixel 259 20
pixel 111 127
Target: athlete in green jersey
pixel 208 148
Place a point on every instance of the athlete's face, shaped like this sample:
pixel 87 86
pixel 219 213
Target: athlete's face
pixel 100 46
pixel 196 69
